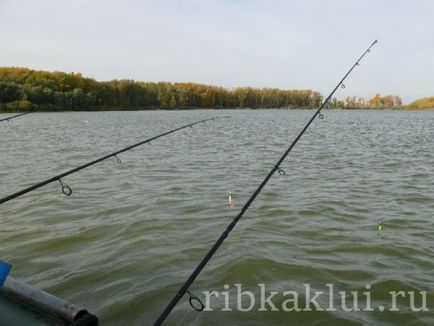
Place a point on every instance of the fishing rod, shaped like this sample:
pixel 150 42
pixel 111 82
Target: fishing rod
pixel 15 116
pixel 184 289
pixel 67 190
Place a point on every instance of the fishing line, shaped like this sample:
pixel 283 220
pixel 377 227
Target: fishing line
pixel 67 190
pixel 184 289
pixel 15 116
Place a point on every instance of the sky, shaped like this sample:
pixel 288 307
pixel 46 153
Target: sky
pixel 303 44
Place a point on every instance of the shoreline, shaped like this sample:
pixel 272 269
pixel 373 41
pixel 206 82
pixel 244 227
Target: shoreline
pixel 213 109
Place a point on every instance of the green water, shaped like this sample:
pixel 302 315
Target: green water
pixel 131 233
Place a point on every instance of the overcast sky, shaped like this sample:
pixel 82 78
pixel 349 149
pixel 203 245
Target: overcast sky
pixel 303 44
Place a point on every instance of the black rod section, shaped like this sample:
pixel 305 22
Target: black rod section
pixel 229 228
pixel 81 167
pixel 14 116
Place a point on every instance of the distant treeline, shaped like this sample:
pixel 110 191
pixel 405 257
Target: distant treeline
pixel 382 102
pixel 376 102
pixel 25 89
pixel 423 103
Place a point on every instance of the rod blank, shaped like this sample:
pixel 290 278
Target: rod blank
pixel 81 167
pixel 15 116
pixel 234 222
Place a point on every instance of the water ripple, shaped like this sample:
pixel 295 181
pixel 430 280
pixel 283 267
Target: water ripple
pixel 131 233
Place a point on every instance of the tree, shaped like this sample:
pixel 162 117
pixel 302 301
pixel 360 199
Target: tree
pixel 10 92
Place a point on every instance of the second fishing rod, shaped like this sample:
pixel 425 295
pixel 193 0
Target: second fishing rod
pixel 15 116
pixel 68 191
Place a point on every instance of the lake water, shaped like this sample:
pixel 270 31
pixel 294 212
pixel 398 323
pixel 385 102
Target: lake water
pixel 131 233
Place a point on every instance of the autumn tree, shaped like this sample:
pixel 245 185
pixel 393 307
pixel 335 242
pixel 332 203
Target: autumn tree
pixel 21 87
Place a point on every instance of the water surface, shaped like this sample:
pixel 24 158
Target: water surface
pixel 131 233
